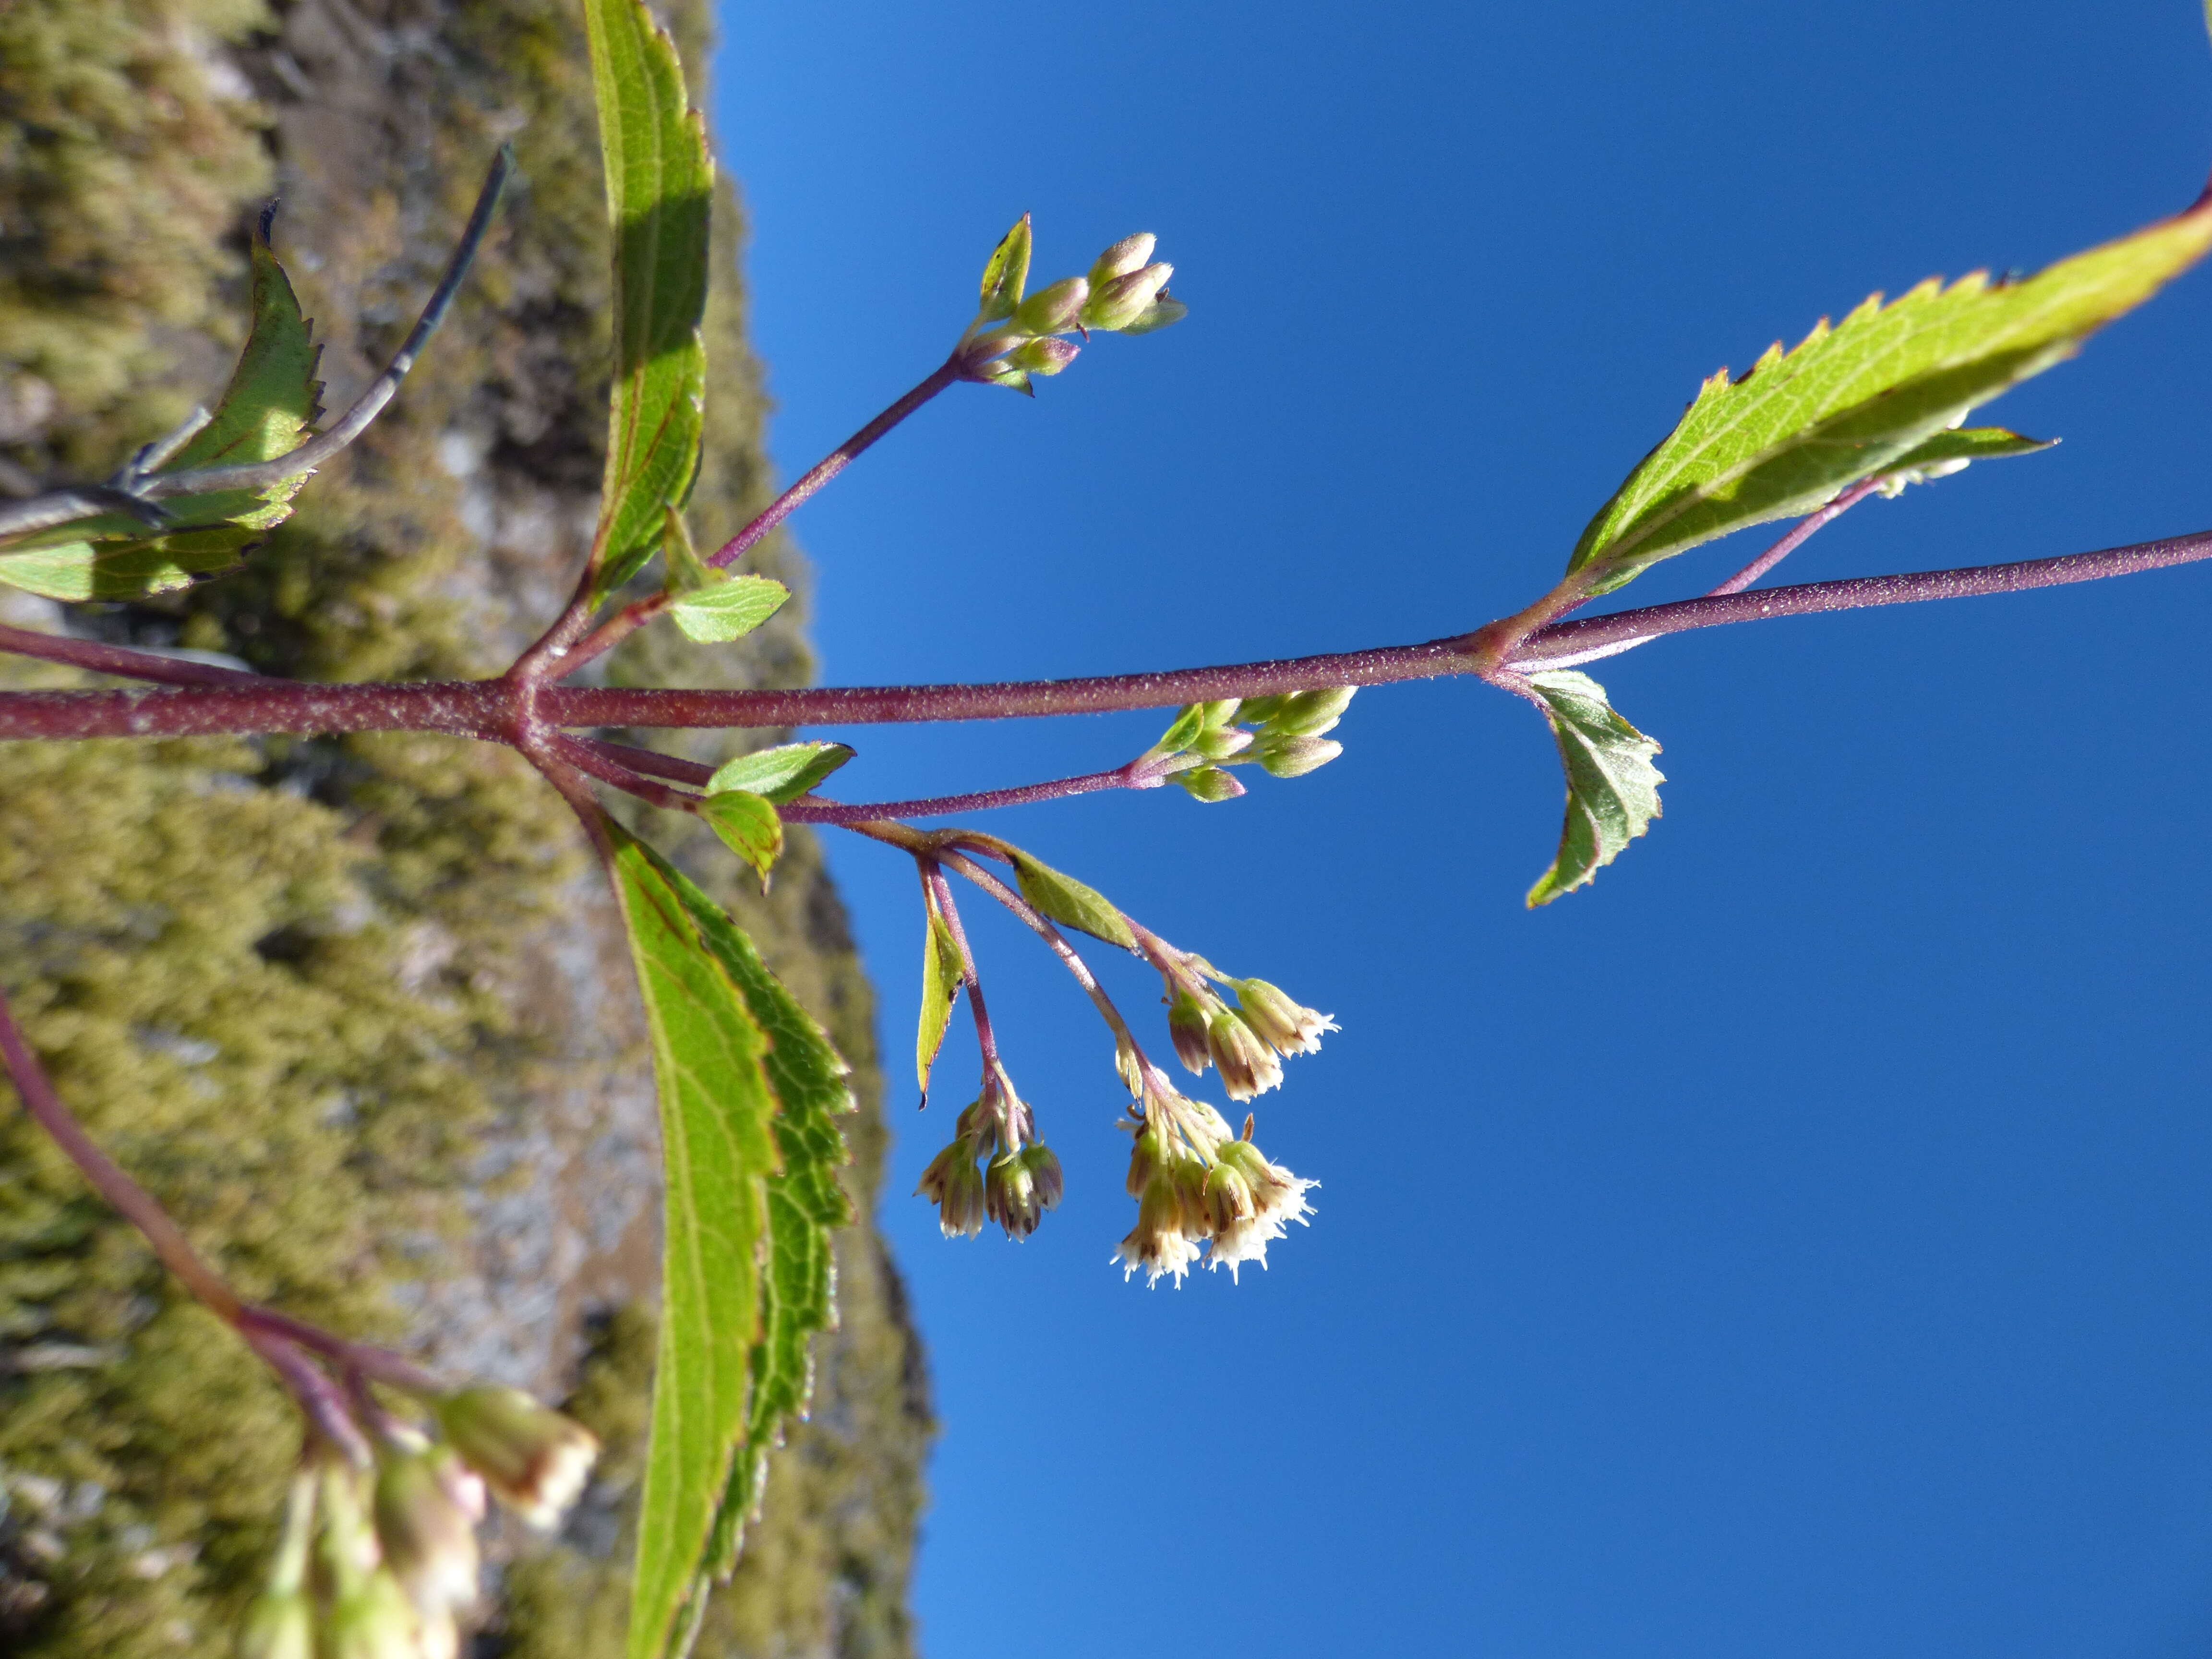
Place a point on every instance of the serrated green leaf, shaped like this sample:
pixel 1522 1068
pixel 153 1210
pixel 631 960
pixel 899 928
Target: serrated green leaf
pixel 719 1150
pixel 1850 401
pixel 267 409
pixel 749 827
pixel 783 773
pixel 1612 787
pixel 942 967
pixel 1070 904
pixel 660 184
pixel 729 609
pixel 806 1203
pixel 1005 274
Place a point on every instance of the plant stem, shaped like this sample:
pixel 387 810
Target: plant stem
pixel 566 647
pixel 1797 535
pixel 490 709
pixel 120 661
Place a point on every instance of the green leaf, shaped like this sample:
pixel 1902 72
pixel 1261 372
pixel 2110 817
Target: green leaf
pixel 719 1151
pixel 1069 903
pixel 1612 787
pixel 659 187
pixel 1006 273
pixel 1851 401
pixel 728 609
pixel 268 410
pixel 806 1203
pixel 942 967
pixel 749 827
pixel 783 773
pixel 1951 451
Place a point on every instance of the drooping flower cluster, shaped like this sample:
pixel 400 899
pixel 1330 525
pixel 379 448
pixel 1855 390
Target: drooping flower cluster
pixel 1199 1187
pixel 1246 1044
pixel 379 1562
pixel 992 1167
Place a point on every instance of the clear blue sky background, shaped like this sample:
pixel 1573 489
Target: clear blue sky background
pixel 1797 1244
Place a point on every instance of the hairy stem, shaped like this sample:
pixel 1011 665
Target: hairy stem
pixel 488 708
pixel 1797 535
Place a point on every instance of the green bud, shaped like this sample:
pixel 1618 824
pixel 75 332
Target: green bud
pixel 1049 310
pixel 534 1460
pixel 1218 712
pixel 1187 1031
pixel 1210 784
pixel 1223 742
pixel 1123 300
pixel 1258 711
pixel 1045 356
pixel 953 1183
pixel 1309 714
pixel 426 1509
pixel 1295 757
pixel 1229 1197
pixel 1248 1066
pixel 1126 256
pixel 1163 312
pixel 1020 1187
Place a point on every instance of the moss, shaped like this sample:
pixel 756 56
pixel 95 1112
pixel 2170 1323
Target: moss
pixel 295 984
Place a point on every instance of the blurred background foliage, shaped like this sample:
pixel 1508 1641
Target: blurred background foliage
pixel 356 1008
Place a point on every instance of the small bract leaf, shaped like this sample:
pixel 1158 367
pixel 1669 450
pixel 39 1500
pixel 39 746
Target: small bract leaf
pixel 749 827
pixel 1158 315
pixel 942 968
pixel 1612 787
pixel 1850 401
pixel 729 609
pixel 1948 453
pixel 661 185
pixel 1005 274
pixel 783 773
pixel 1071 903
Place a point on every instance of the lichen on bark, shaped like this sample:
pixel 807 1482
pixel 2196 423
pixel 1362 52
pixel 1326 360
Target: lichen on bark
pixel 358 1008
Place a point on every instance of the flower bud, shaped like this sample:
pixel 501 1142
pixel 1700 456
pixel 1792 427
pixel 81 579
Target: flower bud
pixel 534 1460
pixel 1161 314
pixel 1286 1026
pixel 426 1509
pixel 1248 1066
pixel 1020 1187
pixel 1209 784
pixel 1128 255
pixel 953 1183
pixel 1045 356
pixel 1309 714
pixel 1229 1198
pixel 1187 1031
pixel 1222 741
pixel 1049 310
pixel 1295 757
pixel 1219 713
pixel 1124 299
pixel 1145 1158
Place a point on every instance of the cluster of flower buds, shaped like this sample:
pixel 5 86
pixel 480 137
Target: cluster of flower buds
pixel 1017 336
pixel 993 1169
pixel 380 1562
pixel 1248 1043
pixel 1281 735
pixel 1197 1186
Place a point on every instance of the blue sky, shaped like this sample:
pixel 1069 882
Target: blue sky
pixel 1796 1243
